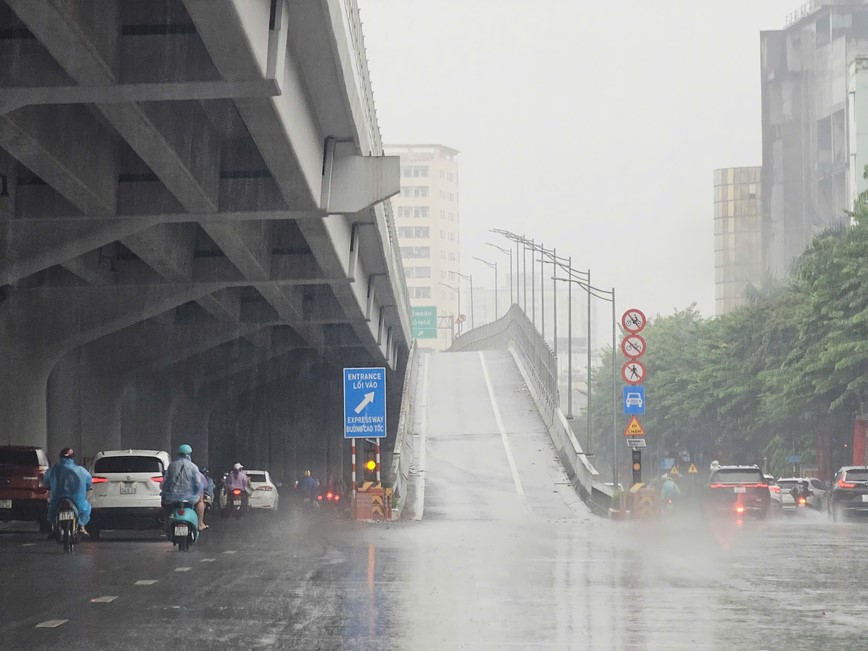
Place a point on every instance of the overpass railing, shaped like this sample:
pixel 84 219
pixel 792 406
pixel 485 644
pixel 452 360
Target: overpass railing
pixel 402 454
pixel 538 365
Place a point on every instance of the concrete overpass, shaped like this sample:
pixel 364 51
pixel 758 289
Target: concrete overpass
pixel 192 235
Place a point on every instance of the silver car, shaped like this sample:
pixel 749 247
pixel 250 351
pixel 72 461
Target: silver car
pixel 777 503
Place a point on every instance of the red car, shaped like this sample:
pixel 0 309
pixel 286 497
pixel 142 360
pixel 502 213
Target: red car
pixel 22 495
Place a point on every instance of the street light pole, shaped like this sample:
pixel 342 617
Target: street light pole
pixel 494 266
pixel 542 295
pixel 570 343
pixel 508 252
pixel 469 278
pixel 457 290
pixel 532 285
pixel 614 400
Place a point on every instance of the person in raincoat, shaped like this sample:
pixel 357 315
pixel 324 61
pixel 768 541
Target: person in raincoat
pixel 182 483
pixel 669 491
pixel 67 480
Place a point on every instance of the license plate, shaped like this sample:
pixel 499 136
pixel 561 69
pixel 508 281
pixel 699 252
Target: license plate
pixel 128 488
pixel 180 531
pixel 236 503
pixel 66 515
pixel 739 489
pixel 865 497
pixel 5 504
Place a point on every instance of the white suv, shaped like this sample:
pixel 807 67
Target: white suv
pixel 126 490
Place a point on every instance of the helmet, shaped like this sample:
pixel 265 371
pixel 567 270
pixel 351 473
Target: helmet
pixel 205 471
pixel 67 453
pixel 185 449
pixel 307 473
pixel 237 466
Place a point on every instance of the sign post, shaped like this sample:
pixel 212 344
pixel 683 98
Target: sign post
pixel 633 372
pixel 365 403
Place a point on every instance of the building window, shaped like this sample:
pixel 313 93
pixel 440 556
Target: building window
pixel 415 251
pixel 419 292
pixel 415 191
pixel 420 212
pixel 414 231
pixel 417 272
pixel 452 256
pixel 452 237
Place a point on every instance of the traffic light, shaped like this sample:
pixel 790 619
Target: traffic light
pixel 370 466
pixel 637 466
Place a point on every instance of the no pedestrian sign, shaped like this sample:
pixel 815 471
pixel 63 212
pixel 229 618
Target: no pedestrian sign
pixel 364 402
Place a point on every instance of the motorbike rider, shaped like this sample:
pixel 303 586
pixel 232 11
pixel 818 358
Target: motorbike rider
pixel 237 478
pixel 801 490
pixel 670 491
pixel 182 483
pixel 308 486
pixel 67 480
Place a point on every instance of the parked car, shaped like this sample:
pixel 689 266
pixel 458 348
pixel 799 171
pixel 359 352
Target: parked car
pixel 263 494
pixel 848 493
pixel 816 500
pixel 126 490
pixel 737 490
pixel 22 495
pixel 775 493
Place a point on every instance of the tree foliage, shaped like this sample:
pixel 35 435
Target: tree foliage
pixel 759 382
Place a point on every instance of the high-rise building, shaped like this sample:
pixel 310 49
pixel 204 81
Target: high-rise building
pixel 738 261
pixel 806 175
pixel 427 219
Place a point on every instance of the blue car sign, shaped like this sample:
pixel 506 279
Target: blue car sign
pixel 634 400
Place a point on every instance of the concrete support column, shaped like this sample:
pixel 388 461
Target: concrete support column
pixel 23 380
pixel 145 417
pixel 84 405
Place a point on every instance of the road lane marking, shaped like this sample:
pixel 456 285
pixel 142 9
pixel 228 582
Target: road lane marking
pixel 512 467
pixel 183 569
pixel 207 560
pixel 231 551
pixel 28 544
pixel 103 600
pixel 52 623
pixel 146 582
pixel 423 443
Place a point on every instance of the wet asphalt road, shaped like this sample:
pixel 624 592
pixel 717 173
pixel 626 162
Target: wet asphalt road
pixel 499 559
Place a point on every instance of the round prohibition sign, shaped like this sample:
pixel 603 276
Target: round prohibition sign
pixel 633 321
pixel 633 372
pixel 633 346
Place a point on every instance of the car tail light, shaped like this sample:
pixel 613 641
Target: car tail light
pixel 803 501
pixel 236 491
pixel 844 484
pixel 264 488
pixel 319 497
pixel 158 479
pixel 330 495
pixel 337 498
pixel 99 480
pixel 775 489
pixel 739 509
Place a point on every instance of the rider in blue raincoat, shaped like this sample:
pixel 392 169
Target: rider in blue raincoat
pixel 182 483
pixel 67 480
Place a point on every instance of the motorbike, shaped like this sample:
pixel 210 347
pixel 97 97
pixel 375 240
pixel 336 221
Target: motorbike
pixel 183 526
pixel 236 504
pixel 66 525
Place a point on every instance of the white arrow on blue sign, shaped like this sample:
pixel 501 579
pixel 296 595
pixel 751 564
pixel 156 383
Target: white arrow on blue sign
pixel 365 403
pixel 634 400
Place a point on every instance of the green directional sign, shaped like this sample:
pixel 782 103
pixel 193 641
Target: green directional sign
pixel 425 322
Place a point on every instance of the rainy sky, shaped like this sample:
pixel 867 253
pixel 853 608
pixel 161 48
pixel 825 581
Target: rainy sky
pixel 592 126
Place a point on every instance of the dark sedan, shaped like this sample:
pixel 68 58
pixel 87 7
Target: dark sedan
pixel 849 492
pixel 739 491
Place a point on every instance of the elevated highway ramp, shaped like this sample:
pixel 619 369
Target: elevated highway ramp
pixel 487 453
